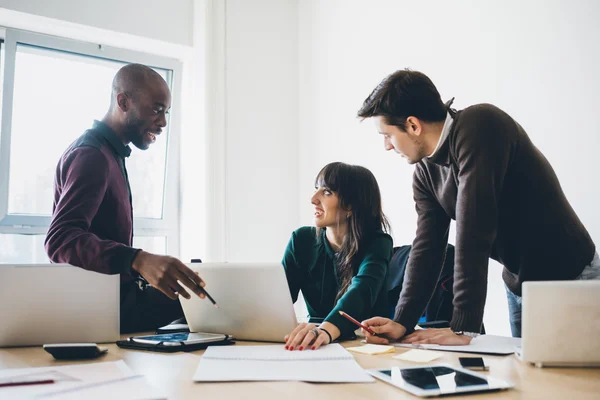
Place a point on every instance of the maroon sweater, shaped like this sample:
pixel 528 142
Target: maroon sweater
pixel 508 205
pixel 92 218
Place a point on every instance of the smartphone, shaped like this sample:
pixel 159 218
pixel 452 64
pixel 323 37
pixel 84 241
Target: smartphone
pixel 177 339
pixel 474 363
pixel 74 351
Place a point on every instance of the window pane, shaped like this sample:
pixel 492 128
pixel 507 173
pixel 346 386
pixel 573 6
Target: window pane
pixel 29 249
pixel 57 96
pixel 151 244
pixel 22 249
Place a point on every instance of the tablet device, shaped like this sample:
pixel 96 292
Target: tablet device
pixel 178 339
pixel 438 380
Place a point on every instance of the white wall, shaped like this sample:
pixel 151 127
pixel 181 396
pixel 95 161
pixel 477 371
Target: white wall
pixel 260 128
pixel 168 21
pixel 538 60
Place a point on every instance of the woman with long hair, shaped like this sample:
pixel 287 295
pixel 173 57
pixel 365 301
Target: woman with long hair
pixel 340 264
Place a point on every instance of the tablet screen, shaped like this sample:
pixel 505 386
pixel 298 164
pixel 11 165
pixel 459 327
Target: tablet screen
pixel 168 337
pixel 178 338
pixel 434 378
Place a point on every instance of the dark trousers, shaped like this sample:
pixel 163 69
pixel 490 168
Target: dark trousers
pixel 145 308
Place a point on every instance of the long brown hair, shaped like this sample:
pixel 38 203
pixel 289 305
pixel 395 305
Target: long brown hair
pixel 358 192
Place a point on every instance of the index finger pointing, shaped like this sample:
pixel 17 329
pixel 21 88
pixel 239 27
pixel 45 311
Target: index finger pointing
pixel 192 275
pixel 192 284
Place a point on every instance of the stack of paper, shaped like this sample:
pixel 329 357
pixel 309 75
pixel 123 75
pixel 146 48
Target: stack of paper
pixel 329 363
pixel 103 380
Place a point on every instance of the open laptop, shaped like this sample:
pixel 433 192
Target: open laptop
pixel 254 302
pixel 561 323
pixel 57 303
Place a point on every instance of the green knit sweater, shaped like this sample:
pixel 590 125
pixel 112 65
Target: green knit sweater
pixel 310 267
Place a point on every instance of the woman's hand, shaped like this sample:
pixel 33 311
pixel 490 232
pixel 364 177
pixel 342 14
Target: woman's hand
pixel 309 335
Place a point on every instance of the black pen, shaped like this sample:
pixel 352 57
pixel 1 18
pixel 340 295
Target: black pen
pixel 197 260
pixel 209 296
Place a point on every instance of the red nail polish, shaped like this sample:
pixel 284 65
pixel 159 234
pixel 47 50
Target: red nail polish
pixel 300 348
pixel 286 347
pixel 291 348
pixel 314 348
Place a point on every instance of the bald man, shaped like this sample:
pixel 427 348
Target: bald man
pixel 92 218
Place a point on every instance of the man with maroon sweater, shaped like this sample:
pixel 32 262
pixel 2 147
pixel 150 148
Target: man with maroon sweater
pixel 92 219
pixel 478 167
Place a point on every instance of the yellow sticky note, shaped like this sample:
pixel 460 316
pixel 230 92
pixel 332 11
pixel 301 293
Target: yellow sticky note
pixel 420 356
pixel 372 349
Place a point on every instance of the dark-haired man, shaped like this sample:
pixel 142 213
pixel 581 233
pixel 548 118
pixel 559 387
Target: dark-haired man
pixel 479 167
pixel 92 219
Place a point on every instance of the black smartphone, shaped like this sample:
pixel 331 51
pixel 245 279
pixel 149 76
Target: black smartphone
pixel 75 351
pixel 475 363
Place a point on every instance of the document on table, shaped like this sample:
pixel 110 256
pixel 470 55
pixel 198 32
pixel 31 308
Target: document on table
pixel 483 344
pixel 331 363
pixel 113 380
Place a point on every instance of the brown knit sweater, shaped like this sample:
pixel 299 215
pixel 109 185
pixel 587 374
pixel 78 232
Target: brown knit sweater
pixel 508 205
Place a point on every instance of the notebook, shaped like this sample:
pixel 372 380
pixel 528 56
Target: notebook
pixel 331 363
pixel 484 344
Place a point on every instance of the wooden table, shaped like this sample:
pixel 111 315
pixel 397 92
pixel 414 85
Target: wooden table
pixel 172 373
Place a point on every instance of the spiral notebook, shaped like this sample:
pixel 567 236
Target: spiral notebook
pixel 331 363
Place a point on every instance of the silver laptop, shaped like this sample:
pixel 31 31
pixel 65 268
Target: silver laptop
pixel 57 303
pixel 254 302
pixel 561 323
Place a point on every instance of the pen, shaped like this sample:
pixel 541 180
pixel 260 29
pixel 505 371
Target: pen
pixel 349 318
pixel 197 260
pixel 25 383
pixel 209 296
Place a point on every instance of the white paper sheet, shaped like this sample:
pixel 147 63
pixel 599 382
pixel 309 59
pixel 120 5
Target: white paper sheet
pixel 77 380
pixel 484 344
pixel 129 388
pixel 330 363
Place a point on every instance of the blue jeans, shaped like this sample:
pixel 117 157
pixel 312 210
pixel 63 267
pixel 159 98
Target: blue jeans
pixel 515 302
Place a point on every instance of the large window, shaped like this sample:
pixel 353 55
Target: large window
pixel 52 90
